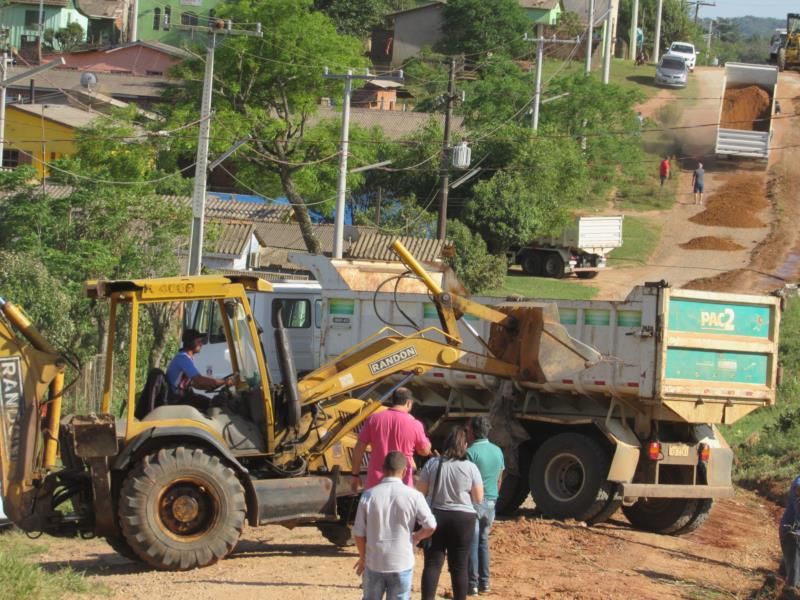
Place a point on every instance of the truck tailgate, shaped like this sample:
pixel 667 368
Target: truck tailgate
pixel 735 142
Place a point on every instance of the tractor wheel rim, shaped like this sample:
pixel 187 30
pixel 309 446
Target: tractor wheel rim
pixel 188 508
pixel 564 477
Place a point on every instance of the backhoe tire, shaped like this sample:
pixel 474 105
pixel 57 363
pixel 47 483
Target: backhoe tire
pixel 700 516
pixel 669 516
pixel 338 534
pixel 181 508
pixel 515 488
pixel 553 265
pixel 123 548
pixel 568 477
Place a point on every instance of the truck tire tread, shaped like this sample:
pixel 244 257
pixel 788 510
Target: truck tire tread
pixel 666 516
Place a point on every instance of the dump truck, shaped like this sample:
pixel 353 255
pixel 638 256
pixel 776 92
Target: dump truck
pixel 747 105
pixel 582 248
pixel 172 487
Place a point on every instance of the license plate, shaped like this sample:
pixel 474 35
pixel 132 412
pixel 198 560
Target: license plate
pixel 678 450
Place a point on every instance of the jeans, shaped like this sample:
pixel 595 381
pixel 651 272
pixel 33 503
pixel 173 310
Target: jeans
pixel 791 557
pixel 453 538
pixel 479 554
pixel 396 586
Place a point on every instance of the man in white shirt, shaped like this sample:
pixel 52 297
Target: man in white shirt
pixel 384 532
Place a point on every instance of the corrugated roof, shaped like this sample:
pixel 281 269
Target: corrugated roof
pixel 237 210
pixel 125 85
pixel 287 236
pixel 159 46
pixel 54 191
pixel 377 246
pixel 59 113
pixel 233 238
pixel 267 275
pixel 395 124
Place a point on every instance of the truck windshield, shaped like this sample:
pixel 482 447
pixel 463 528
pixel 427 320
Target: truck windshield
pixel 243 343
pixel 673 64
pixel 682 48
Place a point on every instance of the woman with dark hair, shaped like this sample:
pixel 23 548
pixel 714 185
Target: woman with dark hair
pixel 452 484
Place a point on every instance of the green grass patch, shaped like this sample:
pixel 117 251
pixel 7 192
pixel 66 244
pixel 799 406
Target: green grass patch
pixel 23 579
pixel 639 240
pixel 518 284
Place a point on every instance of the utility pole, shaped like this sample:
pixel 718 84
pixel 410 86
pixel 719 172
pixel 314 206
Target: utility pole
pixel 215 28
pixel 540 40
pixel 41 33
pixel 441 226
pixel 634 26
pixel 657 41
pixel 708 41
pixel 607 48
pixel 341 186
pixel 697 5
pixel 590 38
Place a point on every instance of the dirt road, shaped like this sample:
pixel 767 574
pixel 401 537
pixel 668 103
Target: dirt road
pixel 729 557
pixel 769 249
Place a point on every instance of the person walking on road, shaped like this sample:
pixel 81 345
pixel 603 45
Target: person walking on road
pixel 697 183
pixel 664 170
pixel 384 532
pixel 489 460
pixel 788 533
pixel 453 486
pixel 387 431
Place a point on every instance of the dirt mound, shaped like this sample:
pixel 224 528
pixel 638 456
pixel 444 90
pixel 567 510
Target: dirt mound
pixel 735 204
pixel 742 106
pixel 709 242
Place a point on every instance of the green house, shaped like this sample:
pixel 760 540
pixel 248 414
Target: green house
pixel 157 17
pixel 20 19
pixel 543 12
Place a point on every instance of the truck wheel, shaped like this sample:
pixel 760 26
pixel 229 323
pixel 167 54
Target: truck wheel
pixel 181 508
pixel 700 516
pixel 612 505
pixel 123 548
pixel 338 534
pixel 568 477
pixel 553 265
pixel 515 488
pixel 532 263
pixel 587 274
pixel 782 59
pixel 662 515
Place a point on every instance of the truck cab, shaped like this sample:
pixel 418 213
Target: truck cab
pixel 686 51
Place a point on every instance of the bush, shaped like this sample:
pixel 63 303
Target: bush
pixel 476 268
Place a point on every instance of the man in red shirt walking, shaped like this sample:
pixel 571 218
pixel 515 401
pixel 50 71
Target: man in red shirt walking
pixel 393 430
pixel 664 171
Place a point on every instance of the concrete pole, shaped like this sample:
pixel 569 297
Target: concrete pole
pixel 201 164
pixel 441 228
pixel 708 42
pixel 341 188
pixel 537 96
pixel 41 32
pixel 133 30
pixel 590 35
pixel 3 107
pixel 607 49
pixel 634 27
pixel 657 41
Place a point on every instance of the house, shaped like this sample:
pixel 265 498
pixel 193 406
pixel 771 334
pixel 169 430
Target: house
pixel 378 94
pixel 395 125
pixel 134 58
pixel 232 246
pixel 156 17
pixel 543 12
pixel 20 19
pixel 413 29
pixel 36 134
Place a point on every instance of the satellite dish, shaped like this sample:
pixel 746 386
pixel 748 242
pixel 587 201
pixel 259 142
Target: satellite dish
pixel 88 80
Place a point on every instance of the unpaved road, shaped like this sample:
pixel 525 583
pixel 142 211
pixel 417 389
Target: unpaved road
pixel 729 557
pixel 766 250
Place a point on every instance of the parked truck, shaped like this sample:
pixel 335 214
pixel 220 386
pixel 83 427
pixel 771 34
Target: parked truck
pixel 637 429
pixel 582 249
pixel 744 126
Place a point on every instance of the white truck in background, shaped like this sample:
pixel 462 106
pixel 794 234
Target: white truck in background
pixel 742 142
pixel 582 248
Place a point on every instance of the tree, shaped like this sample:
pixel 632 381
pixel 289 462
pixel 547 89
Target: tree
pixel 479 26
pixel 269 88
pixel 476 268
pixel 676 24
pixel 359 17
pixel 70 36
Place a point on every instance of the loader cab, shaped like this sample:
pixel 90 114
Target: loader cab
pixel 242 419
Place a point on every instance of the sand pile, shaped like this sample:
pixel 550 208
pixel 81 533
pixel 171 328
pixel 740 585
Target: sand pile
pixel 742 106
pixel 735 204
pixel 709 242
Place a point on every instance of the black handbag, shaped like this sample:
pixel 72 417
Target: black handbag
pixel 426 543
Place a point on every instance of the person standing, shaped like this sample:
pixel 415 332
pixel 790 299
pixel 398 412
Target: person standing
pixel 384 532
pixel 664 170
pixel 387 431
pixel 787 534
pixel 698 184
pixel 489 459
pixel 453 486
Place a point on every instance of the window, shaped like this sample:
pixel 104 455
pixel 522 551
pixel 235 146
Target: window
pixel 295 313
pixel 11 158
pixel 157 19
pixel 31 19
pixel 188 18
pixel 318 313
pixel 167 17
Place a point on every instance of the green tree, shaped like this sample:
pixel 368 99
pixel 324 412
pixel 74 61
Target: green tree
pixel 479 26
pixel 359 17
pixel 69 37
pixel 476 268
pixel 676 23
pixel 269 88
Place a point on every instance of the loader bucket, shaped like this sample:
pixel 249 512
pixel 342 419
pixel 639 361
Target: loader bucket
pixel 539 344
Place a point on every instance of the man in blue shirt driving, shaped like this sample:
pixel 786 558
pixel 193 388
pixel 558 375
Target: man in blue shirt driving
pixel 183 374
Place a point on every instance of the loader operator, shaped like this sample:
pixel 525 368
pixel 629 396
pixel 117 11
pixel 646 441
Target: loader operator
pixel 182 375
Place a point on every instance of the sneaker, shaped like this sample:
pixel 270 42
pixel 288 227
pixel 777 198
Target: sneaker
pixel 473 591
pixel 484 590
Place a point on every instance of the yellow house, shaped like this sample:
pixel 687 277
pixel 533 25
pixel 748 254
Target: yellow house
pixel 36 134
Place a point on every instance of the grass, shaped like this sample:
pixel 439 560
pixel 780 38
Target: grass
pixel 767 441
pixel 639 240
pixel 518 284
pixel 22 579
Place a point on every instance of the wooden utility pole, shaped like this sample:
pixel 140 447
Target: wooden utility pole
pixel 697 5
pixel 441 228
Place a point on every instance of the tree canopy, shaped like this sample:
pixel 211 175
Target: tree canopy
pixel 479 26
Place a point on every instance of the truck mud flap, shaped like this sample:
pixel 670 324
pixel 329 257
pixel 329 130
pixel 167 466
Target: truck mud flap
pixel 299 499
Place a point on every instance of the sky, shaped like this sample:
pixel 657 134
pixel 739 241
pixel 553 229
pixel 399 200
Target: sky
pixel 740 8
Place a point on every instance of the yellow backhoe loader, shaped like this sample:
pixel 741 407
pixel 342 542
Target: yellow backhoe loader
pixel 789 52
pixel 171 486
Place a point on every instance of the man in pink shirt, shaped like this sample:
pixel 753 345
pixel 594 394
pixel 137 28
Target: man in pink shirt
pixel 393 430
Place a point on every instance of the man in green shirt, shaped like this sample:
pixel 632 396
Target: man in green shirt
pixel 489 460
